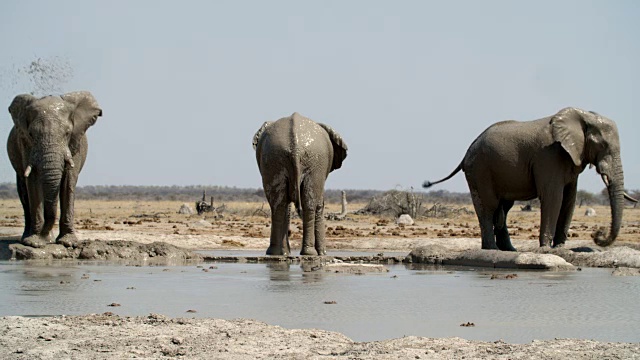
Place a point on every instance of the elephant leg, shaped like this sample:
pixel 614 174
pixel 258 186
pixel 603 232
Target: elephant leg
pixel 24 200
pixel 308 231
pixel 280 217
pixel 485 218
pixel 566 214
pixel 308 219
pixel 500 226
pixel 550 204
pixel 67 235
pixel 485 209
pixel 312 195
pixel 49 220
pixel 320 229
pixel 37 238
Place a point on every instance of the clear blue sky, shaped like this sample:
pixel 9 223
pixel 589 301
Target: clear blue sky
pixel 409 84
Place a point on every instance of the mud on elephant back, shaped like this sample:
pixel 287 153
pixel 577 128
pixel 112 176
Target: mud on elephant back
pixel 47 147
pixel 295 155
pixel 514 160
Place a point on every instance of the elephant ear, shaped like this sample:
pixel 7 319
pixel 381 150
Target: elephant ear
pixel 567 128
pixel 18 111
pixel 256 137
pixel 84 110
pixel 339 147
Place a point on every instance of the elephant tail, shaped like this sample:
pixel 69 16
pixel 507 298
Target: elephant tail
pixel 297 183
pixel 428 184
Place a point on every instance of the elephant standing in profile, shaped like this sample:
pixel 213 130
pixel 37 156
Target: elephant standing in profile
pixel 514 160
pixel 295 155
pixel 47 147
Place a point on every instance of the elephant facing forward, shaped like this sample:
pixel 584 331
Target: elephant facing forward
pixel 295 155
pixel 514 160
pixel 47 147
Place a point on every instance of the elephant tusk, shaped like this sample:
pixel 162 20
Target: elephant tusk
pixel 27 171
pixel 629 198
pixel 69 160
pixel 605 179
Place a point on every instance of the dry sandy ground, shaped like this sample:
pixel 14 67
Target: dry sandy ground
pixel 157 337
pixel 244 227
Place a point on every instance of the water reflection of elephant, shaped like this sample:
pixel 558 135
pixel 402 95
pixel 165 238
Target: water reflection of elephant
pixel 282 271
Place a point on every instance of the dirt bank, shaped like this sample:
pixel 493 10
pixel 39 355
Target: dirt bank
pixel 154 336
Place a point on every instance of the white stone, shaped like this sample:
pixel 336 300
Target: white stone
pixel 404 219
pixel 185 209
pixel 590 212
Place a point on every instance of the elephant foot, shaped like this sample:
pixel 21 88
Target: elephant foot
pixel 506 247
pixel 68 240
pixel 321 252
pixel 36 241
pixel 558 245
pixel 26 233
pixel 273 250
pixel 308 250
pixel 490 247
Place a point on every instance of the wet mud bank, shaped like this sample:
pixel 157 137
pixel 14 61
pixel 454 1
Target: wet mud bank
pixel 531 258
pixel 131 251
pixel 460 252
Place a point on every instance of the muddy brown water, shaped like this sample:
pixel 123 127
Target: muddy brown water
pixel 430 302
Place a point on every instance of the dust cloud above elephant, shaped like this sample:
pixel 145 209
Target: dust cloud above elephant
pixel 295 155
pixel 47 147
pixel 513 160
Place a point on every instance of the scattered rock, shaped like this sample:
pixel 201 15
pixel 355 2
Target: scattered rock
pixel 502 276
pixel 595 256
pixel 625 271
pixel 331 302
pixel 404 219
pixel 114 304
pixel 355 268
pixel 468 324
pixel 441 255
pixel 590 212
pixel 186 210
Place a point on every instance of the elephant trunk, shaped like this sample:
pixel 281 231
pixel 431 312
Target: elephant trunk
pixel 51 169
pixel 615 188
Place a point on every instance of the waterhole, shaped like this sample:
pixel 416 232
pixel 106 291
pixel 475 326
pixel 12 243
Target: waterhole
pixel 430 302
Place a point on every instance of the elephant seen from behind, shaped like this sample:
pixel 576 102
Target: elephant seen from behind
pixel 47 147
pixel 514 160
pixel 295 155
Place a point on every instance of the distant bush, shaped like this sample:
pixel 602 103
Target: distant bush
pixel 222 194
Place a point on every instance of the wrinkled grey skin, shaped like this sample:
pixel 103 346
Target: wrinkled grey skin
pixel 514 160
pixel 47 147
pixel 295 155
